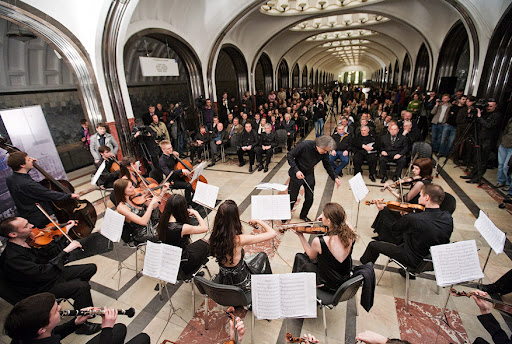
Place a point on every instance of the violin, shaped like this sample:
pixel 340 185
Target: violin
pixel 398 206
pixel 499 305
pixel 291 339
pixel 403 181
pixel 185 165
pixel 231 314
pixel 315 227
pixel 72 209
pixel 42 237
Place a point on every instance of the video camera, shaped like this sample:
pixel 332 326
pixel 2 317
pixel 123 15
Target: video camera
pixel 481 104
pixel 200 102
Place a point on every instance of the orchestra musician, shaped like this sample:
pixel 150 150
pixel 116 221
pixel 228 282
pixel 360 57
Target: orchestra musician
pixel 29 271
pixel 419 231
pixel 167 163
pixel 422 171
pixel 175 229
pixel 302 160
pixel 36 319
pixel 332 251
pixel 107 177
pixel 128 170
pixel 227 243
pixel 26 192
pixel 140 220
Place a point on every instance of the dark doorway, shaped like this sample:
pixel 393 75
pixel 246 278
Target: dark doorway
pixel 263 74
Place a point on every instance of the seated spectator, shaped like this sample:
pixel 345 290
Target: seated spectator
pixel 343 147
pixel 289 125
pixel 267 143
pixel 234 128
pixel 220 138
pixel 248 142
pixel 394 148
pixel 412 134
pixel 363 148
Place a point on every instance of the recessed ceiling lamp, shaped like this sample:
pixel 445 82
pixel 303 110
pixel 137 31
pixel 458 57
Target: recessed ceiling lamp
pixel 299 7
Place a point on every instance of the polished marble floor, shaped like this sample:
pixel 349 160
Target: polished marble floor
pixel 388 317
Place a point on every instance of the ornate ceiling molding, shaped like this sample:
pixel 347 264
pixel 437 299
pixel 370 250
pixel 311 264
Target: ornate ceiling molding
pixel 340 21
pixel 302 7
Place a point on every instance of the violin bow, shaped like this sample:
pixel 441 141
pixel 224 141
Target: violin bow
pixel 55 223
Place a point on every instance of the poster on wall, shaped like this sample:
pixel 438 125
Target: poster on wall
pixel 156 66
pixel 28 131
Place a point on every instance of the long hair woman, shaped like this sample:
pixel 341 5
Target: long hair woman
pixel 175 229
pixel 331 251
pixel 422 174
pixel 227 243
pixel 140 220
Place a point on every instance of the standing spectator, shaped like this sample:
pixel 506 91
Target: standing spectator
pixel 425 113
pixel 85 135
pixel 208 114
pixel 225 107
pixel 160 129
pixel 102 138
pixel 414 106
pixel 147 118
pixel 504 154
pixel 440 112
pixel 319 113
pixel 450 127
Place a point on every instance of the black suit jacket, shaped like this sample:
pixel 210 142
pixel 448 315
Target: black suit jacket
pixel 289 127
pixel 401 145
pixel 268 140
pixel 492 326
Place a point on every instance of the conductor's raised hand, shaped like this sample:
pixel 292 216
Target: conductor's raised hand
pixel 299 175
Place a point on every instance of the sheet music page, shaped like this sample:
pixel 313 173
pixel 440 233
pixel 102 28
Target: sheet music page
pixel 298 295
pixel 456 263
pixel 271 186
pixel 152 260
pixel 358 187
pixel 112 225
pixel 271 207
pixel 98 173
pixel 492 234
pixel 266 296
pixel 171 259
pixel 198 171
pixel 206 194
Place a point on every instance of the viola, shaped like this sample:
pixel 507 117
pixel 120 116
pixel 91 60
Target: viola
pixel 43 236
pixel 231 314
pixel 80 210
pixel 499 305
pixel 149 188
pixel 315 227
pixel 186 165
pixel 398 206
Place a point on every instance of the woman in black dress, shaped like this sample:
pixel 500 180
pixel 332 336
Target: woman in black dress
pixel 332 251
pixel 175 229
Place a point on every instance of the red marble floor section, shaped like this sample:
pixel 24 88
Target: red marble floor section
pixel 423 324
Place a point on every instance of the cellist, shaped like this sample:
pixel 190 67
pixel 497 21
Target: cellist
pixel 111 170
pixel 26 192
pixel 167 164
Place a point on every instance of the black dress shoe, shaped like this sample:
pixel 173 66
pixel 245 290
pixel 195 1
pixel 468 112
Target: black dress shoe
pixel 502 205
pixel 372 178
pixel 88 328
pixel 266 168
pixel 384 179
pixel 240 164
pixel 260 167
pixel 402 273
pixel 305 219
pixel 250 168
pixel 211 164
pixel 395 178
pixel 473 181
pixel 466 177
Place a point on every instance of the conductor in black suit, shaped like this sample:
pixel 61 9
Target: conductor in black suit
pixel 393 147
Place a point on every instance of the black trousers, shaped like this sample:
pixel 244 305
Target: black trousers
pixel 504 284
pixel 375 248
pixel 259 155
pixel 480 165
pixel 196 150
pixel 241 153
pixel 423 126
pixel 289 141
pixel 293 190
pixel 74 284
pixel 383 167
pixel 182 185
pixel 118 336
pixel 360 157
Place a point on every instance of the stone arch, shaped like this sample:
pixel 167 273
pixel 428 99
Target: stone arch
pixel 263 75
pixel 406 70
pixel 283 75
pixel 396 73
pixel 422 68
pixel 231 64
pixel 295 76
pixel 305 76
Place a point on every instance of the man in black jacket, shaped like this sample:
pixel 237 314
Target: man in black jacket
pixel 288 124
pixel 419 231
pixel 107 178
pixel 343 147
pixel 319 113
pixel 167 162
pixel 248 141
pixel 266 146
pixel 220 137
pixel 393 147
pixel 363 146
pixel 302 160
pixel 35 320
pixel 26 192
pixel 30 271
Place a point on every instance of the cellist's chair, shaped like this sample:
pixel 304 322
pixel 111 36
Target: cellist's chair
pixel 105 192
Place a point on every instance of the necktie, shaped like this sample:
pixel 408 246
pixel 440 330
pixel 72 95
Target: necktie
pixel 393 138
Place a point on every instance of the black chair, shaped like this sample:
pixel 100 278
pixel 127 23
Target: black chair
pixel 449 203
pixel 282 136
pixel 234 142
pixel 188 278
pixel 224 295
pixel 345 292
pixel 422 148
pixel 7 293
pixel 424 266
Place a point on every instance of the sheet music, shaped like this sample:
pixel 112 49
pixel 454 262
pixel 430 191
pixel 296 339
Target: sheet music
pixel 271 186
pixel 112 225
pixel 98 173
pixel 162 261
pixel 358 187
pixel 492 234
pixel 298 295
pixel 198 171
pixel 206 194
pixel 284 295
pixel 271 207
pixel 456 263
pixel 266 296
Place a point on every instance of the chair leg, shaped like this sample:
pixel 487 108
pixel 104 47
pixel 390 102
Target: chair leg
pixel 437 289
pixel 325 325
pixel 193 299
pixel 406 291
pixel 206 312
pixel 383 271
pixel 208 270
pixel 357 306
pixel 252 327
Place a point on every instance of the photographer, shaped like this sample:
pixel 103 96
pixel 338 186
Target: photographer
pixel 464 116
pixel 144 140
pixel 160 129
pixel 487 125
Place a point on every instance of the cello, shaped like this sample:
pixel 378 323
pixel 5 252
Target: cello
pixel 185 165
pixel 81 210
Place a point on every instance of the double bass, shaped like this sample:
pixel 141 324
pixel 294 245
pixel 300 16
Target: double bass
pixel 81 210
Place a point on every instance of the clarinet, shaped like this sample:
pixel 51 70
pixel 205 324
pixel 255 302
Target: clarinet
pixel 97 311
